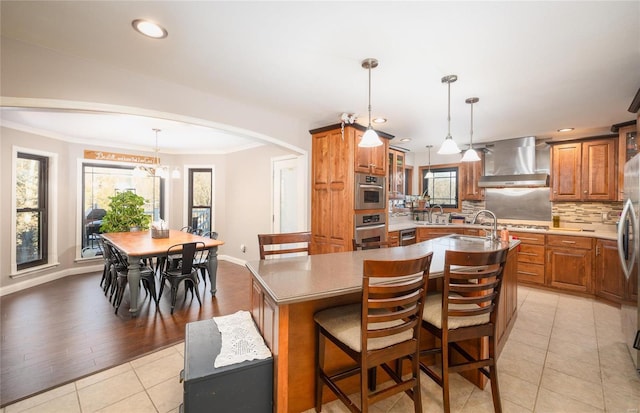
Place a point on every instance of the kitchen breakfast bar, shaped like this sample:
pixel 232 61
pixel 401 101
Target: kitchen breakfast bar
pixel 287 292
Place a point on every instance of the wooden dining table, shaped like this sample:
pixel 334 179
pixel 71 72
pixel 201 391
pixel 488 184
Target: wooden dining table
pixel 139 245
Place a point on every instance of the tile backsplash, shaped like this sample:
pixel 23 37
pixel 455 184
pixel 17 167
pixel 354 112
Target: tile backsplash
pixel 570 212
pixel 587 212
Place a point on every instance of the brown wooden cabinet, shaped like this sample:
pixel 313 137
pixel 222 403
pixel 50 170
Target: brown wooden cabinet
pixel 332 194
pixel 394 238
pixel 531 257
pixel 569 263
pixel 395 177
pixel 627 148
pixel 334 154
pixel 584 170
pixel 427 233
pixel 508 305
pixel 609 278
pixel 470 173
pixel 370 160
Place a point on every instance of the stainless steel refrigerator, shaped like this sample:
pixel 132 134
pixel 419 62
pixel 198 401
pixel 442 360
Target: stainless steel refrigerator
pixel 629 250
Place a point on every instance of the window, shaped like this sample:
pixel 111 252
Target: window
pixel 99 182
pixel 200 196
pixel 32 212
pixel 443 187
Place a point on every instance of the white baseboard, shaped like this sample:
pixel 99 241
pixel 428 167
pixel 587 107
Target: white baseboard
pixel 74 271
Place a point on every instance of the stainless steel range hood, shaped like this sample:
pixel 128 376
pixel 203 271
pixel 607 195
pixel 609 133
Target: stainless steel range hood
pixel 516 163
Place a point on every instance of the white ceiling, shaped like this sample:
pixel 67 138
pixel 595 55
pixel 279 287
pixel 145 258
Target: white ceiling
pixel 536 66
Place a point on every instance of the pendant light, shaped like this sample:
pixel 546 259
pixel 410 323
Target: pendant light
pixel 370 137
pixel 471 155
pixel 429 174
pixel 156 169
pixel 449 146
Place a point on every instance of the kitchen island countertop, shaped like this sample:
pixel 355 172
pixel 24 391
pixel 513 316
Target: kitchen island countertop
pixel 314 277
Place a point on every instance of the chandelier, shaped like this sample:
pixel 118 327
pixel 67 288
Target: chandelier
pixel 158 170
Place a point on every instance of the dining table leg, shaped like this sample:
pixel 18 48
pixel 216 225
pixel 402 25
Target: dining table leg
pixel 212 266
pixel 133 277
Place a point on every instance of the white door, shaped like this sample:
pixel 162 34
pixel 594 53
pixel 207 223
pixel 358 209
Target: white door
pixel 288 194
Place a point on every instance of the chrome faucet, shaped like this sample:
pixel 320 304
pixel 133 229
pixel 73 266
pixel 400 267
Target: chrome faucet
pixel 494 233
pixel 431 212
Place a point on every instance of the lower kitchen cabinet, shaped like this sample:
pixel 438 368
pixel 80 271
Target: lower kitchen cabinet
pixel 426 233
pixel 240 387
pixel 508 300
pixel 609 277
pixel 531 257
pixel 569 263
pixel 394 238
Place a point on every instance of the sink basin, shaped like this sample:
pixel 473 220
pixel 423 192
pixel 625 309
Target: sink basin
pixel 469 238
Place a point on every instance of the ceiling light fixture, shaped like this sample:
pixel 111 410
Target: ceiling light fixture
pixel 471 155
pixel 565 130
pixel 156 169
pixel 405 140
pixel 449 146
pixel 370 137
pixel 379 120
pixel 429 174
pixel 149 29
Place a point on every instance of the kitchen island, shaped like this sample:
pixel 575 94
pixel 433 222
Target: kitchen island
pixel 287 292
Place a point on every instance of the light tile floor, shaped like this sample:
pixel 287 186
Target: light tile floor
pixel 565 354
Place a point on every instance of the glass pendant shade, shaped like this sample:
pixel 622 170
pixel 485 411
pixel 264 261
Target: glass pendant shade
pixel 449 147
pixel 370 139
pixel 470 156
pixel 428 175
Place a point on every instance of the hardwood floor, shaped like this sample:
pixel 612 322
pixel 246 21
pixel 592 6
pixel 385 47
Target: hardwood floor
pixel 60 331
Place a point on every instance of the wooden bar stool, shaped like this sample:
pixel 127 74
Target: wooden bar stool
pixel 383 329
pixel 287 243
pixel 466 309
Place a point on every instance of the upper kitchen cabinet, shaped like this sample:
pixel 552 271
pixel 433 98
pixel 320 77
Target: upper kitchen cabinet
pixel 371 160
pixel 396 166
pixel 584 170
pixel 470 173
pixel 627 149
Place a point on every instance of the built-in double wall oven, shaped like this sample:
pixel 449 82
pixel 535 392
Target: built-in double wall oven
pixel 369 192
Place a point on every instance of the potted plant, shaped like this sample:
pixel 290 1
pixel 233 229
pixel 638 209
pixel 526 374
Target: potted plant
pixel 125 214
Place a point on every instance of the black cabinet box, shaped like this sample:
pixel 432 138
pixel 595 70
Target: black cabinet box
pixel 241 387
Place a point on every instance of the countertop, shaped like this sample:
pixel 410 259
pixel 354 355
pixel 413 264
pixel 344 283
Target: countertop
pixel 312 277
pixel 580 232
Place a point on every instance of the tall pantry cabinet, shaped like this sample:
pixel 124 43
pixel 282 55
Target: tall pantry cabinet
pixel 335 159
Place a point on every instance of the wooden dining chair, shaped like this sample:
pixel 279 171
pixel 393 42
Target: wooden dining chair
pixel 466 309
pixel 185 272
pixel 287 243
pixel 358 246
pixel 380 331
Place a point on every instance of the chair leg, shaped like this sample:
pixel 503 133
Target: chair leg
pixel 319 366
pixel 174 295
pixel 445 377
pixel 493 376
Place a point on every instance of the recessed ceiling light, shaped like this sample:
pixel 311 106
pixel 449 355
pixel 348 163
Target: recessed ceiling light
pixel 379 120
pixel 565 130
pixel 149 29
pixel 405 140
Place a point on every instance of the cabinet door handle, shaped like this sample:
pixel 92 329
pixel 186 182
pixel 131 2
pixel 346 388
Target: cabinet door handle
pixel 527 253
pixel 585 191
pixel 568 242
pixel 528 239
